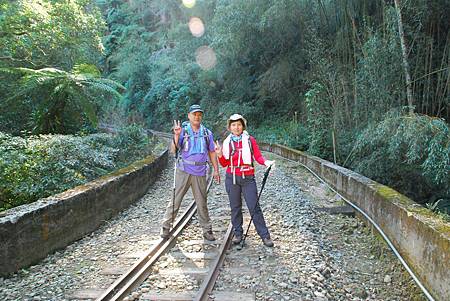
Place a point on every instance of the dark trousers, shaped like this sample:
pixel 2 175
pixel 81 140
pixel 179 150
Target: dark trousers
pixel 247 187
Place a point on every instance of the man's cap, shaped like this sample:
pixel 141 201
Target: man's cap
pixel 236 117
pixel 195 108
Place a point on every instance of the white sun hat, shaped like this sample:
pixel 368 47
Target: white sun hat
pixel 236 117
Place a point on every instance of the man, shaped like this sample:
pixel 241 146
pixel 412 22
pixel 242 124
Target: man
pixel 195 144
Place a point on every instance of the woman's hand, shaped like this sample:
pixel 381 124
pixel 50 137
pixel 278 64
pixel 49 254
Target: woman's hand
pixel 218 149
pixel 269 163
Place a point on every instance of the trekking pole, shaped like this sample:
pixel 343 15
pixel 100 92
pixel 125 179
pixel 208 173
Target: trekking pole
pixel 266 174
pixel 174 182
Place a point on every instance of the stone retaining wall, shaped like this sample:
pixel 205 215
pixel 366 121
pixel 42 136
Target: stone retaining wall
pixel 28 233
pixel 422 239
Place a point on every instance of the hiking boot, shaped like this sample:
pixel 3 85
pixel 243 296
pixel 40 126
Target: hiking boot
pixel 237 239
pixel 165 232
pixel 268 242
pixel 208 235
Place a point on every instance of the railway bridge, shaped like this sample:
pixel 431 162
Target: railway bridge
pixel 337 235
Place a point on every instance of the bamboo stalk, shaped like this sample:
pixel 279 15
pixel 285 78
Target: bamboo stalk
pixel 355 91
pixel 441 96
pixel 409 94
pixel 334 143
pixel 415 83
pixel 426 57
pixel 430 67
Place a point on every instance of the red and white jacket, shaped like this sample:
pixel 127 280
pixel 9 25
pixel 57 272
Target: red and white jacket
pixel 236 163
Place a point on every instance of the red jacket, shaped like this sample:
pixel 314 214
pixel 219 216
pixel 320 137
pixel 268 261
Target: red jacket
pixel 248 170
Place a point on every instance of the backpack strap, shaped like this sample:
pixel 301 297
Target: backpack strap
pixel 184 125
pixel 251 150
pixel 232 148
pixel 186 136
pixel 233 169
pixel 206 133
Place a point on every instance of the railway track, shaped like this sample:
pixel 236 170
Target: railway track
pixel 126 287
pixel 199 260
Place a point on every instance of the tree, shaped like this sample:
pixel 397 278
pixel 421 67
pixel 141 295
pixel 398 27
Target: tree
pixel 43 33
pixel 61 99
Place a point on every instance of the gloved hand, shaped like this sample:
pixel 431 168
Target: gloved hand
pixel 269 163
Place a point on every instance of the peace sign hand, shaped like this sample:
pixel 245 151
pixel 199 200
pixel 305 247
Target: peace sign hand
pixel 218 148
pixel 176 127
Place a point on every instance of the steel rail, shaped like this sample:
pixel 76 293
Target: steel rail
pixel 141 269
pixel 210 280
pixel 385 237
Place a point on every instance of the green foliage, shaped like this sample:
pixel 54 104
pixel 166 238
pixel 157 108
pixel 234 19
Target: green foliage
pixel 27 172
pixel 170 99
pixel 44 35
pixel 63 101
pixel 289 133
pixel 441 207
pixel 380 75
pixel 320 122
pixel 39 166
pixel 151 49
pixel 410 153
pixel 132 142
pixel 29 37
pixel 261 58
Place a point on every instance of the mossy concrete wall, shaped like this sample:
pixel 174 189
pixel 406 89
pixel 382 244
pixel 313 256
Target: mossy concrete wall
pixel 30 232
pixel 421 238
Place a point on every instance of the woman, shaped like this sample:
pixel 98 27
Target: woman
pixel 237 154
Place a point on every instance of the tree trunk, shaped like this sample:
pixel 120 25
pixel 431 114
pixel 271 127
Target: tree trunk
pixel 409 93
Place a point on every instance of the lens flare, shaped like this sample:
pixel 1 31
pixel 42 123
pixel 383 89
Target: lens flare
pixel 196 27
pixel 189 3
pixel 205 57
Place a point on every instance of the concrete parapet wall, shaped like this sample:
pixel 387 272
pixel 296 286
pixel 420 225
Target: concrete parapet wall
pixel 28 233
pixel 421 238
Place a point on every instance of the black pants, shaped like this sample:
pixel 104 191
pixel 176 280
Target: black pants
pixel 247 186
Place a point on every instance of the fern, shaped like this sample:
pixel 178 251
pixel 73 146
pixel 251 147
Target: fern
pixel 57 95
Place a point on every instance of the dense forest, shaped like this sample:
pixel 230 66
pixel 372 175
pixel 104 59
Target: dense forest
pixel 363 83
